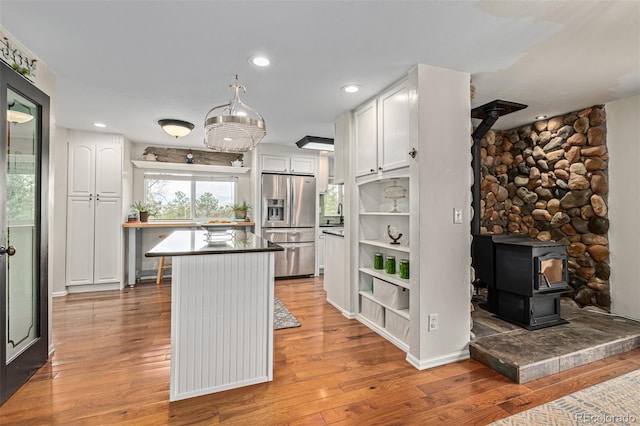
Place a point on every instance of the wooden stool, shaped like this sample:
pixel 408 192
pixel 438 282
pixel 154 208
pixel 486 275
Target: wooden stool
pixel 161 265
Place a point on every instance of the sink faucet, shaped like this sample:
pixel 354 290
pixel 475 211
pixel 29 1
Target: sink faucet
pixel 340 213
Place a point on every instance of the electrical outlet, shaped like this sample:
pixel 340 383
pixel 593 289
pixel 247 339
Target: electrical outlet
pixel 433 322
pixel 457 215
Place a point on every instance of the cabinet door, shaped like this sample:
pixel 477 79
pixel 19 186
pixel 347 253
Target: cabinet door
pixel 81 176
pixel 320 252
pixel 108 170
pixel 323 173
pixel 108 241
pixel 366 136
pixel 80 226
pixel 393 128
pixel 303 165
pixel 334 271
pixel 340 137
pixel 275 163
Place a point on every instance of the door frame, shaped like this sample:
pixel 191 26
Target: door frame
pixel 12 376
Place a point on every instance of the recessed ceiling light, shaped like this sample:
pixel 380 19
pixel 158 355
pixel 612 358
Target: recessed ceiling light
pixel 99 124
pixel 541 117
pixel 259 61
pixel 350 88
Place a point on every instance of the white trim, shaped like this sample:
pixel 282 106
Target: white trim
pixel 342 310
pixel 59 293
pixel 423 364
pixel 85 288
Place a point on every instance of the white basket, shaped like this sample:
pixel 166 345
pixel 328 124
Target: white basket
pixel 393 296
pixel 372 311
pixel 397 325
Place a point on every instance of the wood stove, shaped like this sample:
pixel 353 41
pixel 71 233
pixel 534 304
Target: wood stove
pixel 524 278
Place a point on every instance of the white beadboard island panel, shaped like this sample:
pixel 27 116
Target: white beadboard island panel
pixel 221 322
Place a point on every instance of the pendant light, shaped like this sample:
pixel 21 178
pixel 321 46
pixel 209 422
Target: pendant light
pixel 234 126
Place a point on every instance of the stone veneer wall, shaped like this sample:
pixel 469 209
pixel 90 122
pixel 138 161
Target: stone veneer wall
pixel 548 179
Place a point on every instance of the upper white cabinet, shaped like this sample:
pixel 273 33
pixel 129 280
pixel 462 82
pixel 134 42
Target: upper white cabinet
pixel 366 138
pixel 341 136
pixel 382 132
pixel 323 173
pixel 287 164
pixel 393 128
pixel 95 169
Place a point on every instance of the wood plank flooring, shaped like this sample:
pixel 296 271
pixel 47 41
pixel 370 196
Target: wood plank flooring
pixel 111 366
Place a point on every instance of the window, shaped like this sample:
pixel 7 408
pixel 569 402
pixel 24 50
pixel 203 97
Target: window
pixel 333 200
pixel 187 197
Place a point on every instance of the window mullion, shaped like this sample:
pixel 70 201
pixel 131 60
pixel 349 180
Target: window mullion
pixel 193 199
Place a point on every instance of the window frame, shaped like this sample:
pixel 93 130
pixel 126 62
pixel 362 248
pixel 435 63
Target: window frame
pixel 340 201
pixel 193 179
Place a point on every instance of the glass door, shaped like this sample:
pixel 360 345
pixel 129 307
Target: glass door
pixel 23 267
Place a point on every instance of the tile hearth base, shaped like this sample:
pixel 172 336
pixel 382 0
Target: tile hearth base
pixel 523 355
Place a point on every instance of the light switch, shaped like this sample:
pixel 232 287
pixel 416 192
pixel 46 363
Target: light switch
pixel 457 215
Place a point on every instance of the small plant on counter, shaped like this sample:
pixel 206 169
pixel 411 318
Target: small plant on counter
pixel 144 210
pixel 241 209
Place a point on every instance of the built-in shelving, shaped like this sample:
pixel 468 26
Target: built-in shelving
pixel 393 279
pixel 385 245
pixel 161 165
pixel 404 313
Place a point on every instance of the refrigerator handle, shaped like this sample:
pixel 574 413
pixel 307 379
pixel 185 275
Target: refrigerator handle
pixel 289 206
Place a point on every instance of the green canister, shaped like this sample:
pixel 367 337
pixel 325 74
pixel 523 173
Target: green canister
pixel 403 266
pixel 378 261
pixel 390 265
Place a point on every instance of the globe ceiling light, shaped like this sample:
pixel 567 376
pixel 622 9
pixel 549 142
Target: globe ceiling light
pixel 234 126
pixel 175 128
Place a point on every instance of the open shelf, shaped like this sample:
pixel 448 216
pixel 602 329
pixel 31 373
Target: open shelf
pixel 160 165
pixel 403 346
pixel 383 244
pixel 383 214
pixel 393 279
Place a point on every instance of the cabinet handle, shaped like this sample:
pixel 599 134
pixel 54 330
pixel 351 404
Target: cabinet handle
pixel 372 170
pixel 413 153
pixel 379 168
pixel 291 170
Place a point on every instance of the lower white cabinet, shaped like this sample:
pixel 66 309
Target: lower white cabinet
pixel 94 239
pixel 334 272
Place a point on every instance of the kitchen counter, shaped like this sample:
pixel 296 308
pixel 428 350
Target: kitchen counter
pixel 191 243
pixel 335 232
pixel 133 240
pixel 221 311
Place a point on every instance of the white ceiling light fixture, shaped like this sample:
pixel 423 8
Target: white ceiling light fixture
pixel 176 128
pixel 541 117
pixel 18 113
pixel 234 126
pixel 350 88
pixel 260 61
pixel 101 125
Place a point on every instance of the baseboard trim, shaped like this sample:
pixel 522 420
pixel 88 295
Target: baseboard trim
pixel 342 310
pixel 93 287
pixel 59 293
pixel 423 364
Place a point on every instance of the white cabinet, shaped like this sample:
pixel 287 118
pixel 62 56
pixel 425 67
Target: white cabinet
pixel 366 138
pixel 93 240
pixel 94 209
pixel 341 137
pixel 334 273
pixel 323 173
pixel 320 251
pixel 95 169
pixel 286 164
pixel 382 132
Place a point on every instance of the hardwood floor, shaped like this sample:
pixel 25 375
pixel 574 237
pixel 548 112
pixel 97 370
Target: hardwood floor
pixel 111 366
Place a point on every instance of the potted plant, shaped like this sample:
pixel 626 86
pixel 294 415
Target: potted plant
pixel 240 210
pixel 144 210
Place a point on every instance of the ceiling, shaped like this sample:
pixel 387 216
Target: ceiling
pixel 130 63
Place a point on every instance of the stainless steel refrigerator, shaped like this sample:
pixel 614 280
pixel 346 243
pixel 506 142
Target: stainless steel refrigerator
pixel 289 219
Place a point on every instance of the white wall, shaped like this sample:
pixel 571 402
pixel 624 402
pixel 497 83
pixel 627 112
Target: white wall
pixel 623 142
pixel 439 111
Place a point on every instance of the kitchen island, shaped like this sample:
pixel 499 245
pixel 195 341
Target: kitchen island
pixel 221 310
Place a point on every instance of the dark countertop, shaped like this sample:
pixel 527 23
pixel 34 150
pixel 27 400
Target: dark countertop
pixel 190 243
pixel 334 232
pixel 332 225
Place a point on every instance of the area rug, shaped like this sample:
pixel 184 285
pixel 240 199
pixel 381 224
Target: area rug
pixel 614 402
pixel 282 318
